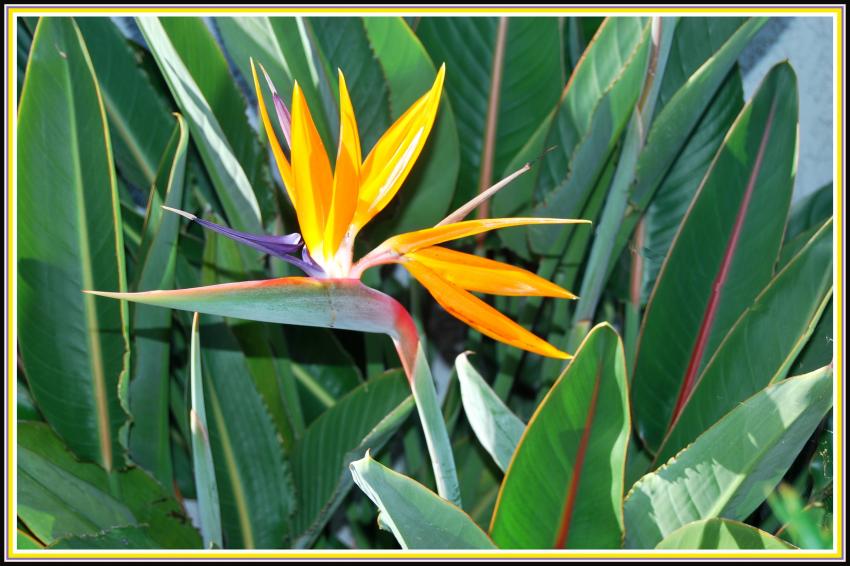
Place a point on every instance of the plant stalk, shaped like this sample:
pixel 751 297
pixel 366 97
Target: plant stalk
pixel 406 340
pixel 616 205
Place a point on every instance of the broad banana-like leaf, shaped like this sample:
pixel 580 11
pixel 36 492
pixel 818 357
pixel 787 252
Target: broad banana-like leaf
pixel 504 76
pixel 721 534
pixel 74 347
pixel 362 420
pixel 496 427
pixel 418 517
pixel 138 112
pixel 730 469
pixel 762 344
pixel 564 487
pixel 734 228
pixel 59 496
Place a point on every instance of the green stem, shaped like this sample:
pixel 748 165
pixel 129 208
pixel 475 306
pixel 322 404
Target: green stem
pixel 406 339
pixel 612 214
pixel 616 205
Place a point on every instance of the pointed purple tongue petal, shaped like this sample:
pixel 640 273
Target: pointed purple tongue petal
pixel 283 115
pixel 278 246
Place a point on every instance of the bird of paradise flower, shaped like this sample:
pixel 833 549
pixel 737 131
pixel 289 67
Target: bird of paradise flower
pixel 332 207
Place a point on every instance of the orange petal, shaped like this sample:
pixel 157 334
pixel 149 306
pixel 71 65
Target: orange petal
pixel 389 162
pixel 482 275
pixel 311 174
pixel 277 150
pixel 346 183
pixel 412 241
pixel 479 315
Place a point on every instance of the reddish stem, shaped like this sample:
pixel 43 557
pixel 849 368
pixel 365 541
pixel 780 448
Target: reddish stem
pixel 405 337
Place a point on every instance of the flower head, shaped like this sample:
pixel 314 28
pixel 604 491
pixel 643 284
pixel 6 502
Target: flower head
pixel 333 206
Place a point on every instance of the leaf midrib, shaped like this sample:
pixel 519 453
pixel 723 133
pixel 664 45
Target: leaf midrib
pixel 125 133
pixel 572 491
pixel 698 351
pixel 825 292
pixel 95 347
pixel 745 474
pixel 232 469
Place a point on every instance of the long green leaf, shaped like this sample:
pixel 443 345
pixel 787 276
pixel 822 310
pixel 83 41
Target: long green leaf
pixel 74 346
pixel 582 128
pixel 564 486
pixel 725 472
pixel 256 495
pixel 149 433
pixel 58 496
pixel 762 344
pixel 733 229
pixel 810 212
pixel 503 77
pixel 119 538
pixel 202 463
pixel 697 40
pixel 26 542
pixel 616 203
pixel 343 44
pixel 138 112
pixel 362 420
pixel 232 185
pixel 675 193
pixel 418 517
pixel 676 120
pixel 496 427
pixel 594 110
pixel 721 534
pixel 204 59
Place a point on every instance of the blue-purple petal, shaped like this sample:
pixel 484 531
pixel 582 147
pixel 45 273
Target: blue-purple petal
pixel 284 247
pixel 278 246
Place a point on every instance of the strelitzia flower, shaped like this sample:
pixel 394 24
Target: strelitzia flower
pixel 333 206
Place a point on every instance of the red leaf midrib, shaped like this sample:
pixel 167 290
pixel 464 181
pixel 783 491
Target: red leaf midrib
pixel 572 492
pixel 698 351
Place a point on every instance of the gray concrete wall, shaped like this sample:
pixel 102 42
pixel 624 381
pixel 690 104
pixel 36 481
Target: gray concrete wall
pixel 807 43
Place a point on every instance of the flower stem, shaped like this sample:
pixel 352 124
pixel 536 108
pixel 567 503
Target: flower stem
pixel 406 339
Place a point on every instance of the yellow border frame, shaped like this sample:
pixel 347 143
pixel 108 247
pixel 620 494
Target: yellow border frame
pixel 836 12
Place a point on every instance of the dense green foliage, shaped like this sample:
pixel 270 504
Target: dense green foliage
pixel 696 412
